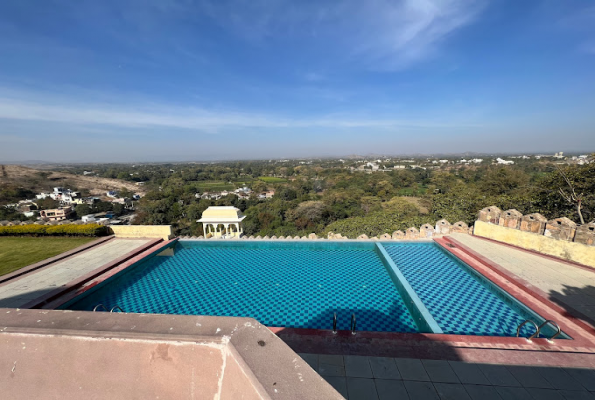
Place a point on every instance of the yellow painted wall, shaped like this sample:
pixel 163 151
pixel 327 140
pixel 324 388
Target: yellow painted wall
pixel 144 231
pixel 571 251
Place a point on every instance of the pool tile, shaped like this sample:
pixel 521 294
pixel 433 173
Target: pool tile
pixel 451 391
pixel 421 390
pixel 361 389
pixel 384 368
pixel 469 373
pixel 388 389
pixel 440 371
pixel 357 366
pixel 411 369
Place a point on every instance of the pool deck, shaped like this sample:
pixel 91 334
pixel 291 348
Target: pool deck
pixel 24 289
pixel 384 378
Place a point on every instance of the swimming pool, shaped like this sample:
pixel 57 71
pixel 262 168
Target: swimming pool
pixel 389 287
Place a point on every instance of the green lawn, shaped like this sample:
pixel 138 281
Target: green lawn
pixel 215 186
pixel 18 252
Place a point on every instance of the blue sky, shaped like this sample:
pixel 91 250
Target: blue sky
pixel 158 80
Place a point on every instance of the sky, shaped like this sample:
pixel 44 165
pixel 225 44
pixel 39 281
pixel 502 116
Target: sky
pixel 184 80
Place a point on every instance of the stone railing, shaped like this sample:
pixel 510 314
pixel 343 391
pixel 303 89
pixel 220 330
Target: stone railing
pixel 557 228
pixel 426 231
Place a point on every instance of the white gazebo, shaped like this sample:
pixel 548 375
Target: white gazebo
pixel 222 222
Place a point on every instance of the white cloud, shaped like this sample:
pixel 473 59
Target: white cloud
pixel 28 106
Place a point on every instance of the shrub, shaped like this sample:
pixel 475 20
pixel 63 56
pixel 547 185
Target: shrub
pixel 54 230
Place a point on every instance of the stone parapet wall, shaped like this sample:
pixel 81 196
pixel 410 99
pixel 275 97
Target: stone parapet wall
pixel 571 251
pixel 145 231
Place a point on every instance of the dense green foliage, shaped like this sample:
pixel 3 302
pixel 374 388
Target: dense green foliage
pixel 333 195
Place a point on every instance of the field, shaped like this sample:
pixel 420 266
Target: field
pixel 18 252
pixel 272 179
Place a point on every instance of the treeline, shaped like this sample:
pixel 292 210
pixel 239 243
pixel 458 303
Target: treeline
pixel 325 196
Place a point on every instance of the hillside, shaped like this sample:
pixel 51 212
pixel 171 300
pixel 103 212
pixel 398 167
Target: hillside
pixel 44 180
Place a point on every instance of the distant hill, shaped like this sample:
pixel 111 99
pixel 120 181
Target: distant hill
pixel 42 180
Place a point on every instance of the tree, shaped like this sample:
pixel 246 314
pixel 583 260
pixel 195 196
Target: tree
pixel 82 210
pixel 569 194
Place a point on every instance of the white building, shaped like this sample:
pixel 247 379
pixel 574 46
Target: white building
pixel 504 162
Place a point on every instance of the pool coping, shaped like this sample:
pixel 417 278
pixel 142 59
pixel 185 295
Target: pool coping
pixel 582 343
pixel 80 281
pixel 21 272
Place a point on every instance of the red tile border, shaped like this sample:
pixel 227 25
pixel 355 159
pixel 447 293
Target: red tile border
pixel 54 294
pixel 19 273
pixel 88 285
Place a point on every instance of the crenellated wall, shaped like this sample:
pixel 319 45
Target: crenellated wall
pixel 559 237
pixel 425 232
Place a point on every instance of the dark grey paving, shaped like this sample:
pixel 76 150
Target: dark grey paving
pixel 361 389
pixel 469 373
pixel 331 370
pixel 498 375
pixel 577 395
pixel 391 390
pixel 440 371
pixel 384 368
pixel 481 392
pixel 586 377
pixel 559 378
pixel 357 366
pixel 311 359
pixel 545 394
pixel 513 393
pixel 330 359
pixel 421 390
pixel 451 391
pixel 339 383
pixel 411 369
pixel 529 376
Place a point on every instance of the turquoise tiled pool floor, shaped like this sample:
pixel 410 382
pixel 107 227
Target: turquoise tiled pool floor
pixel 286 286
pixel 459 303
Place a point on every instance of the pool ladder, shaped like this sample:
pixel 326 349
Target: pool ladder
pixel 539 328
pixel 116 307
pixel 353 323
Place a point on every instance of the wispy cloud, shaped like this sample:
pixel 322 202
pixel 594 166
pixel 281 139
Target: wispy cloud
pixel 379 33
pixel 36 107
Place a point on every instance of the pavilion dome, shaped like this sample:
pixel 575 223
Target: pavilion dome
pixel 222 214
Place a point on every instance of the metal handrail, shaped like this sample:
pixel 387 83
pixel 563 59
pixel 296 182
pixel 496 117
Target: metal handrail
pixel 549 321
pixel 100 305
pixel 116 307
pixel 334 322
pixel 518 329
pixel 353 324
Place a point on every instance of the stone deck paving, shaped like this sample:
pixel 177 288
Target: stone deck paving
pixel 383 378
pixel 567 285
pixel 41 282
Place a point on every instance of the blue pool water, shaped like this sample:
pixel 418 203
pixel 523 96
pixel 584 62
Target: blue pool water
pixel 458 301
pixel 301 285
pixel 288 286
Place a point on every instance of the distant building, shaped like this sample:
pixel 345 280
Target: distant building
pixel 56 214
pixel 503 162
pixel 112 193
